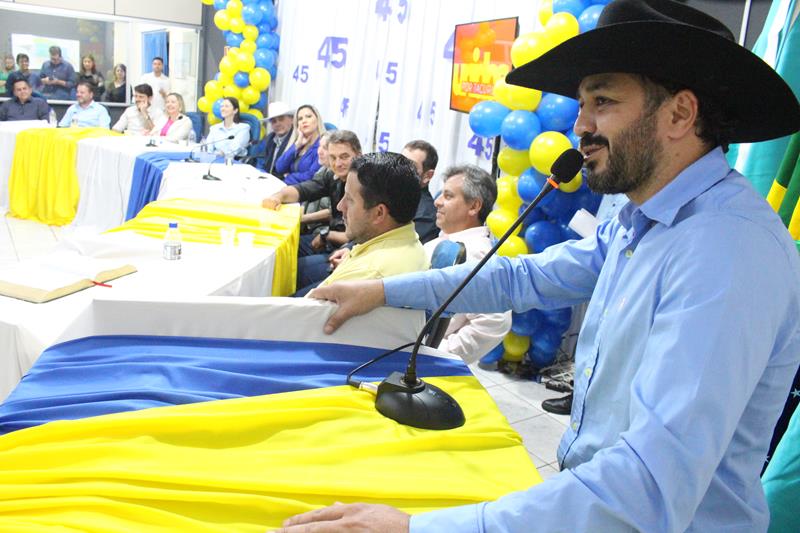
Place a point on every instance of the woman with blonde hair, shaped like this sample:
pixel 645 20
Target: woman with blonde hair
pixel 173 125
pixel 300 161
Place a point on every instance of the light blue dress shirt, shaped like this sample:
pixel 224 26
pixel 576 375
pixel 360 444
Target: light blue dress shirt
pixel 686 355
pixel 94 115
pixel 219 142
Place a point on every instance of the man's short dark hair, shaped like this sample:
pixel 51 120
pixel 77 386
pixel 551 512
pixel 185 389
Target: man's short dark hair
pixel 431 156
pixel 17 80
pixel 345 137
pixel 478 184
pixel 390 179
pixel 713 126
pixel 55 50
pixel 144 89
pixel 159 58
pixel 89 85
pixel 22 56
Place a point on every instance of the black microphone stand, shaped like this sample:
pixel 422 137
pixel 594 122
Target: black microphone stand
pixel 409 400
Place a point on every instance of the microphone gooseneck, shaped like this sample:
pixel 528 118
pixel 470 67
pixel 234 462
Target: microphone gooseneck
pixel 409 400
pixel 208 175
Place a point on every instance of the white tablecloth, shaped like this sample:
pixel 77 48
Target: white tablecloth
pixel 8 141
pixel 105 170
pixel 26 329
pixel 238 183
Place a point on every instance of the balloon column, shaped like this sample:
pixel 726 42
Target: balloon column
pixel 250 64
pixel 535 129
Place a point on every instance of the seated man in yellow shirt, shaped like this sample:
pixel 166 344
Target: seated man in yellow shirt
pixel 380 198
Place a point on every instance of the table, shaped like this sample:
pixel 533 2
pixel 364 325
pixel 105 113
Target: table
pixel 26 329
pixel 238 183
pixel 8 140
pixel 105 175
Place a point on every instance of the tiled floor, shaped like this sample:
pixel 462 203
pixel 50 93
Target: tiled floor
pixel 519 400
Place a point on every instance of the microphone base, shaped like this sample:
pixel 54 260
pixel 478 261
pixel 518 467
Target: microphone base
pixel 211 178
pixel 422 405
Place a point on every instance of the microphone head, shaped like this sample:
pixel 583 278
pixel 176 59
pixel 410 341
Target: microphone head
pixel 230 138
pixel 567 165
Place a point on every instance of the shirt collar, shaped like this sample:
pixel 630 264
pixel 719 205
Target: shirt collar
pixel 403 233
pixel 664 206
pixel 478 231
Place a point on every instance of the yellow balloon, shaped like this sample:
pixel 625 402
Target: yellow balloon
pixel 232 51
pixel 204 104
pixel 250 32
pixel 507 197
pixel 212 119
pixel 250 95
pixel 516 97
pixel 513 247
pixel 222 20
pixel 500 220
pixel 232 90
pixel 545 11
pixel 528 47
pixel 248 47
pixel 208 2
pixel 243 107
pixel 227 66
pixel 237 24
pixel 572 185
pixel 513 358
pixel 260 78
pixel 546 148
pixel 213 90
pixel 513 162
pixel 225 79
pixel 516 344
pixel 256 113
pixel 245 62
pixel 560 27
pixel 234 8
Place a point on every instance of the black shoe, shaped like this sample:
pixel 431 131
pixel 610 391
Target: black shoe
pixel 558 406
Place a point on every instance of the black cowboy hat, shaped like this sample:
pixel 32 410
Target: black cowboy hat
pixel 671 41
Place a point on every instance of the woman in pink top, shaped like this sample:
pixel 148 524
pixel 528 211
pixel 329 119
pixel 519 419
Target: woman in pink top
pixel 174 125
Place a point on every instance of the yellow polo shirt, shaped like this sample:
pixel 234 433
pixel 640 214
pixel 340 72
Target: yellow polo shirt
pixel 395 252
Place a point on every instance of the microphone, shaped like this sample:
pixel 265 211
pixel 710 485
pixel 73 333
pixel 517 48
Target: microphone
pixel 191 158
pixel 208 175
pixel 409 400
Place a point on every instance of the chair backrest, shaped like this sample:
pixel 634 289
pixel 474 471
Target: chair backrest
pixel 254 123
pixel 197 123
pixel 446 253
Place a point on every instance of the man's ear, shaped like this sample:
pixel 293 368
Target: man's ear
pixel 683 110
pixel 379 214
pixel 426 177
pixel 475 207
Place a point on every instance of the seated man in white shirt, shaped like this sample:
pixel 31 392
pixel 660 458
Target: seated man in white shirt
pixel 467 197
pixel 142 116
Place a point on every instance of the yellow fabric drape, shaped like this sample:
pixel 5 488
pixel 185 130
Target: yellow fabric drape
pixel 247 464
pixel 201 220
pixel 43 184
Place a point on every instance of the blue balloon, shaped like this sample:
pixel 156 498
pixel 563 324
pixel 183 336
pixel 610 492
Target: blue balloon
pixel 529 184
pixel 266 7
pixel 541 359
pixel 248 2
pixel 520 128
pixel 574 7
pixel 272 21
pixel 242 79
pixel 569 233
pixel 486 118
pixel 588 19
pixel 276 41
pixel 262 102
pixel 526 323
pixel 252 15
pixel 541 235
pixel 233 39
pixel 215 108
pixel 557 112
pixel 264 28
pixel 220 4
pixel 546 342
pixel 573 138
pixel 265 58
pixel 601 2
pixel 534 216
pixel 273 71
pixel 561 207
pixel 583 198
pixel 558 318
pixel 263 40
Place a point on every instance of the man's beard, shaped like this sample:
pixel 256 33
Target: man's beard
pixel 633 161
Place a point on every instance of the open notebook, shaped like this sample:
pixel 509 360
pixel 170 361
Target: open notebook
pixel 58 274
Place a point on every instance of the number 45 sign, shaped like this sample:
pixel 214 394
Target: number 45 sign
pixel 333 52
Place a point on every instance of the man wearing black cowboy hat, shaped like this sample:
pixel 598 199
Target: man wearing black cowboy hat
pixel 691 336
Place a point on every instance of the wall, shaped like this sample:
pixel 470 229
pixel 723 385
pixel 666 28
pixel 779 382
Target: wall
pixel 181 11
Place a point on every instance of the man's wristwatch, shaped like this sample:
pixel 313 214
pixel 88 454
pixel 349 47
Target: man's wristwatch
pixel 323 234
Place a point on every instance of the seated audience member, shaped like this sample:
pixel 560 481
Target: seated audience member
pixel 280 118
pixel 57 76
pixel 24 106
pixel 173 125
pixel 85 112
pixel 5 71
pixel 89 73
pixel 299 162
pixel 380 197
pixel 141 117
pixel 317 213
pixel 158 82
pixel 425 158
pixel 116 89
pixel 24 73
pixel 467 198
pixel 218 140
